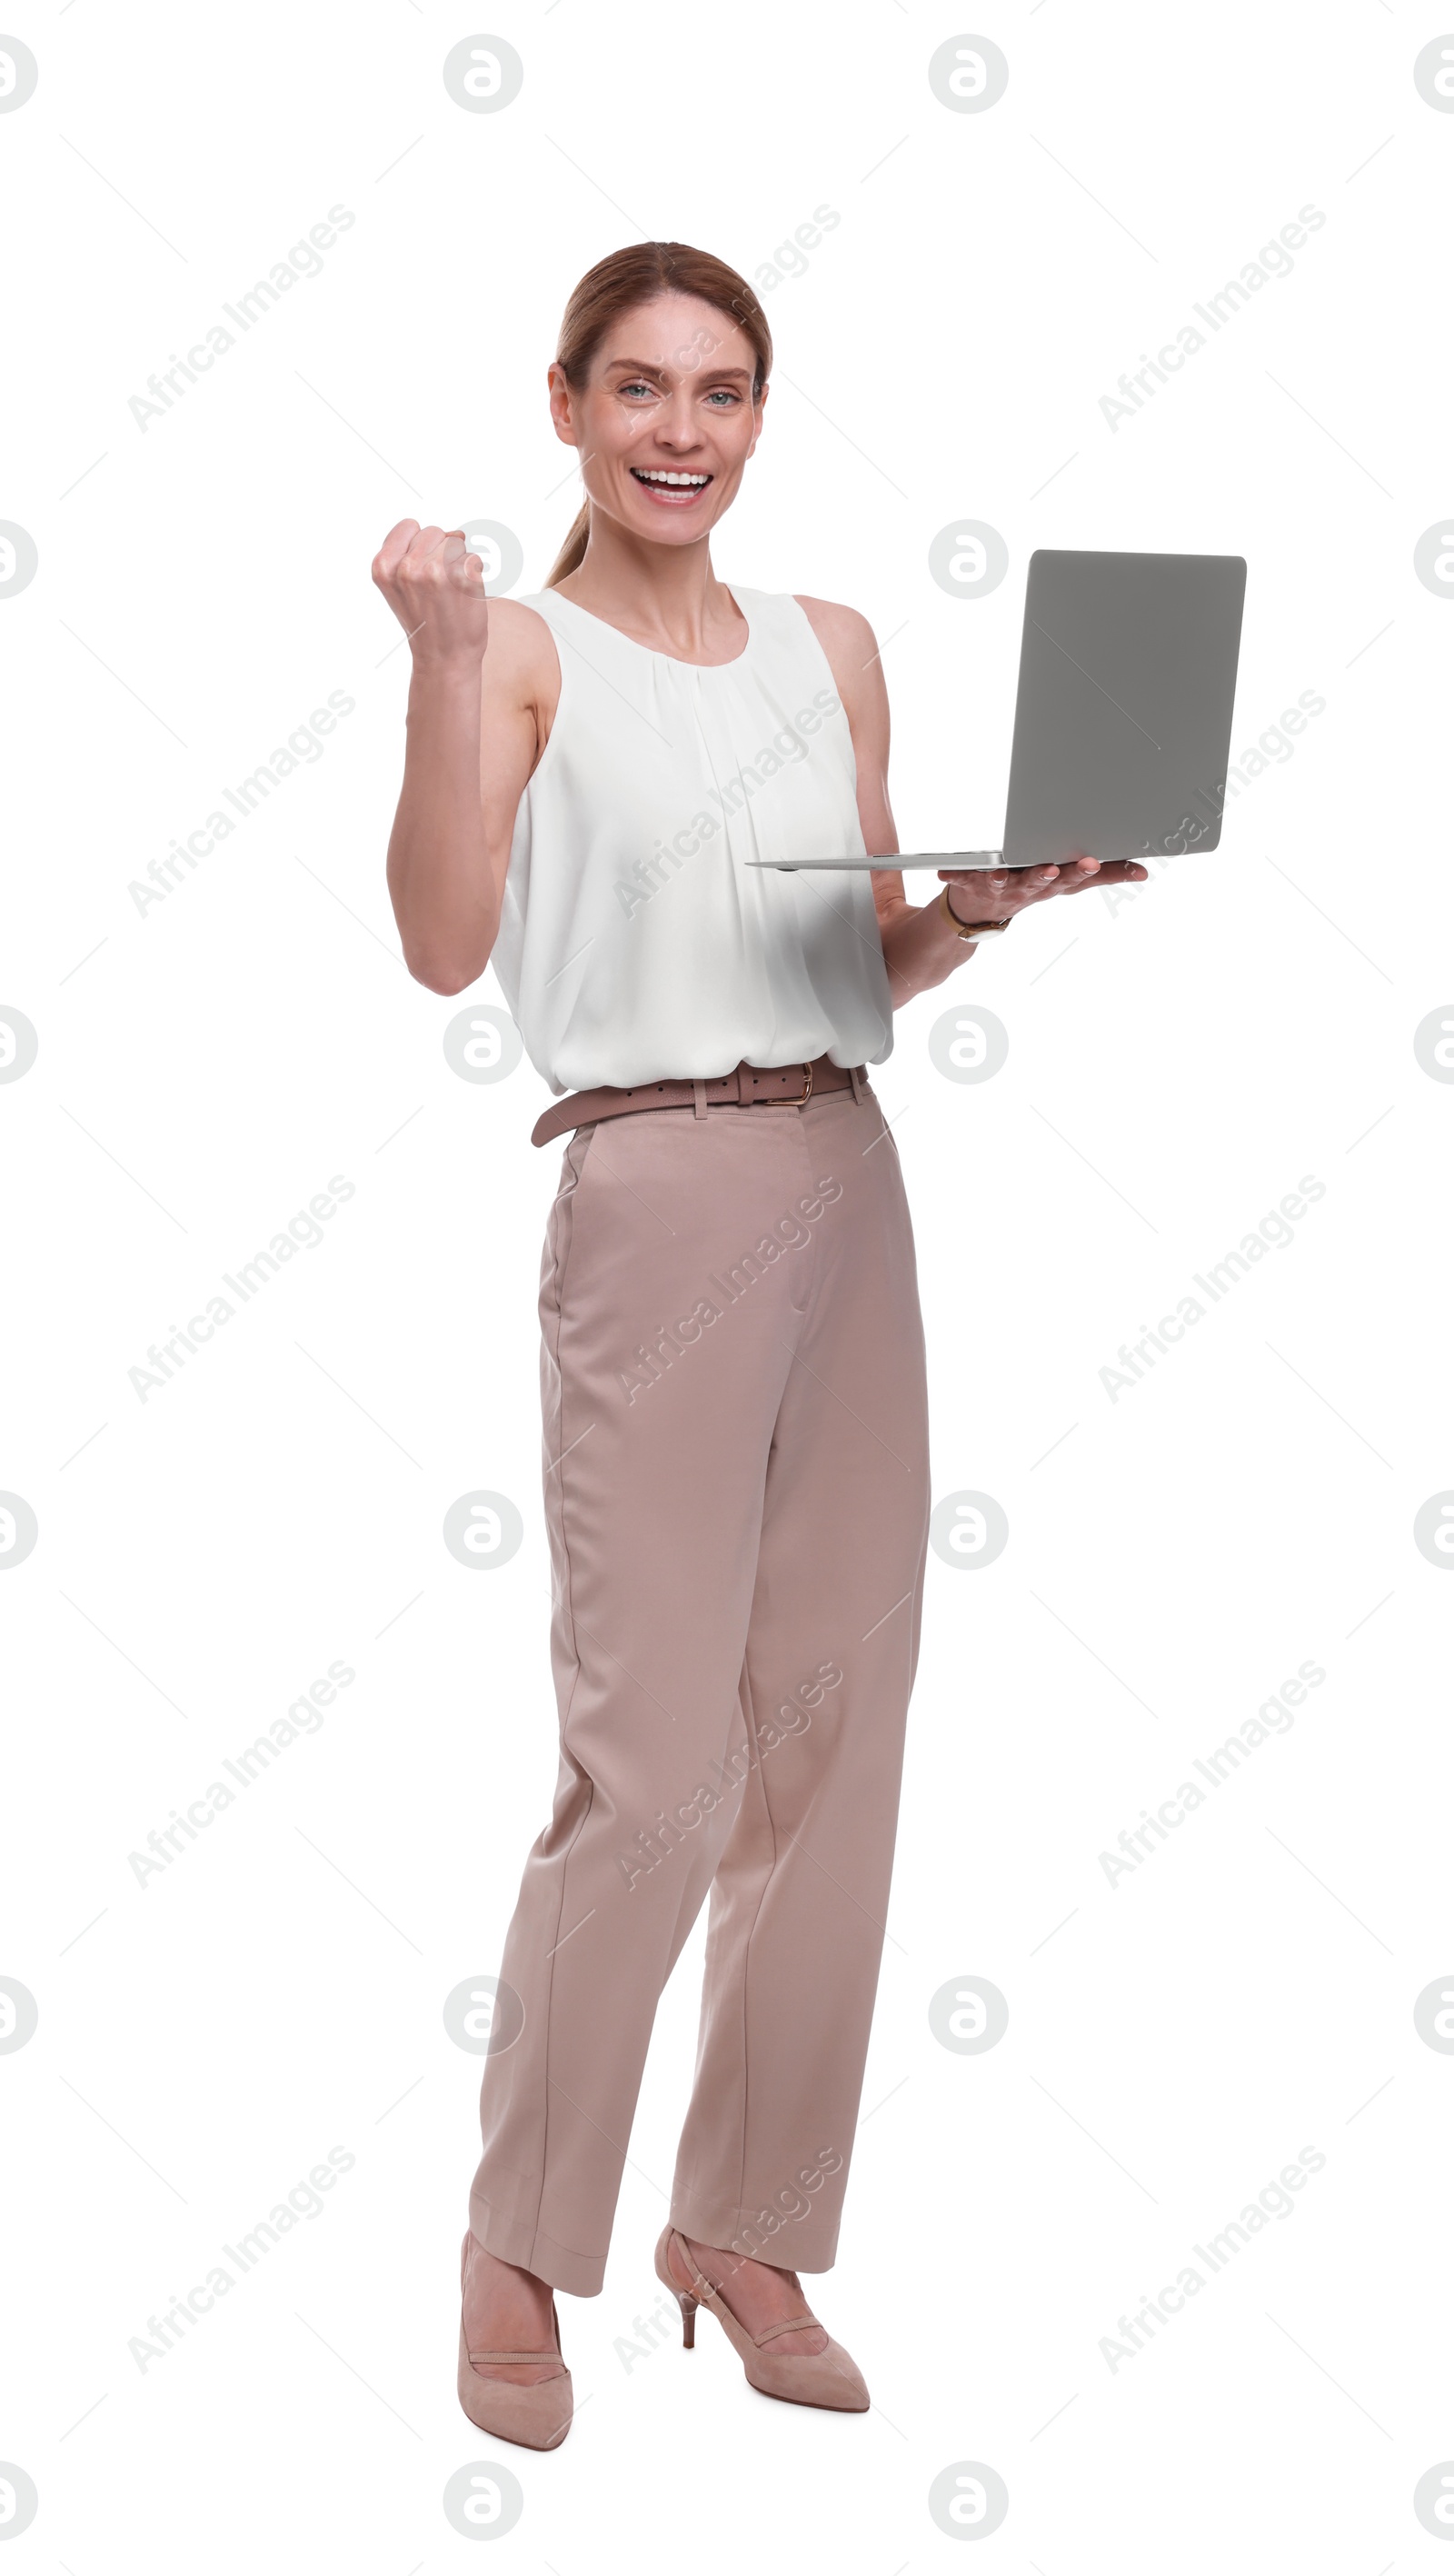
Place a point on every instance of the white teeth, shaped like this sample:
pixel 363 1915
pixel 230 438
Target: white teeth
pixel 647 476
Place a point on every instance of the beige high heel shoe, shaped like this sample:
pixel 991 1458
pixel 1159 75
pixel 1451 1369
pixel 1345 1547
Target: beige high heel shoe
pixel 827 2378
pixel 537 2417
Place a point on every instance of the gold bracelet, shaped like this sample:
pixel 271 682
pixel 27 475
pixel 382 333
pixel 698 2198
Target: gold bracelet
pixel 969 929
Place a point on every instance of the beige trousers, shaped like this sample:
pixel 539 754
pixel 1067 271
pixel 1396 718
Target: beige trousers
pixel 736 1486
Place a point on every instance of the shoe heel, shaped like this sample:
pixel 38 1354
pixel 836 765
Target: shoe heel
pixel 686 2300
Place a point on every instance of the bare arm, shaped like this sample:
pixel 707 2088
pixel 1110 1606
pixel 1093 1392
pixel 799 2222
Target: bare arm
pixel 482 698
pixel 920 948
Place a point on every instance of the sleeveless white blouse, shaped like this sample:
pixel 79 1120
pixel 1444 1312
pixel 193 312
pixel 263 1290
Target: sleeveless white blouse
pixel 634 943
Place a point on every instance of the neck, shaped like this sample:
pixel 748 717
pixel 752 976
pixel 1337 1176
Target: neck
pixel 667 597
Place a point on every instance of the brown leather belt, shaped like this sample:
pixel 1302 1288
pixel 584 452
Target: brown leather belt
pixel 747 1086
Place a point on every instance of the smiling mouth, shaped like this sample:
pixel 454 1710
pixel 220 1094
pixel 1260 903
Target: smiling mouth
pixel 669 487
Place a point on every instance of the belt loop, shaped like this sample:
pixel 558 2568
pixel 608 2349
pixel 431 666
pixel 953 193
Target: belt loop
pixel 855 1076
pixel 699 1097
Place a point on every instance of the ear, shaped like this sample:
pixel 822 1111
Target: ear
pixel 561 408
pixel 758 408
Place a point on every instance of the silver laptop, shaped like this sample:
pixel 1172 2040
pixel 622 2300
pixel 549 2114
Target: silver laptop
pixel 1123 716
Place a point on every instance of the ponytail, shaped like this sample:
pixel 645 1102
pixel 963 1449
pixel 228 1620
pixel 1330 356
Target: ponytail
pixel 619 284
pixel 573 551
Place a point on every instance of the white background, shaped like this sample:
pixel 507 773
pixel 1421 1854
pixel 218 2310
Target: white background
pixel 1175 1066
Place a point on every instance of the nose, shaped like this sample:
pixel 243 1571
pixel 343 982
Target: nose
pixel 677 427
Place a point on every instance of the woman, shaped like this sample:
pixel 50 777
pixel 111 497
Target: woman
pixel 736 1469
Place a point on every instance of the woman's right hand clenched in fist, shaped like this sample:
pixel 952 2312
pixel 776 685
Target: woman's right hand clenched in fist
pixel 436 590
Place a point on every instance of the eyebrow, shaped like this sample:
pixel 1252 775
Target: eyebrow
pixel 659 367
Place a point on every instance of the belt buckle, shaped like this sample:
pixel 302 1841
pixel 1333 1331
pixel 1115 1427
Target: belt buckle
pixel 795 1099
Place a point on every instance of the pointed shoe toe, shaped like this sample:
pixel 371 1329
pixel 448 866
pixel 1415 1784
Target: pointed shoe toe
pixel 538 2418
pixel 828 2378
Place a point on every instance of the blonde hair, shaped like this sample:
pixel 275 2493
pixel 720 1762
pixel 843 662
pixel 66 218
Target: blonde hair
pixel 619 284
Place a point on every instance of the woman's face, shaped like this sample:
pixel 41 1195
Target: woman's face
pixel 669 396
